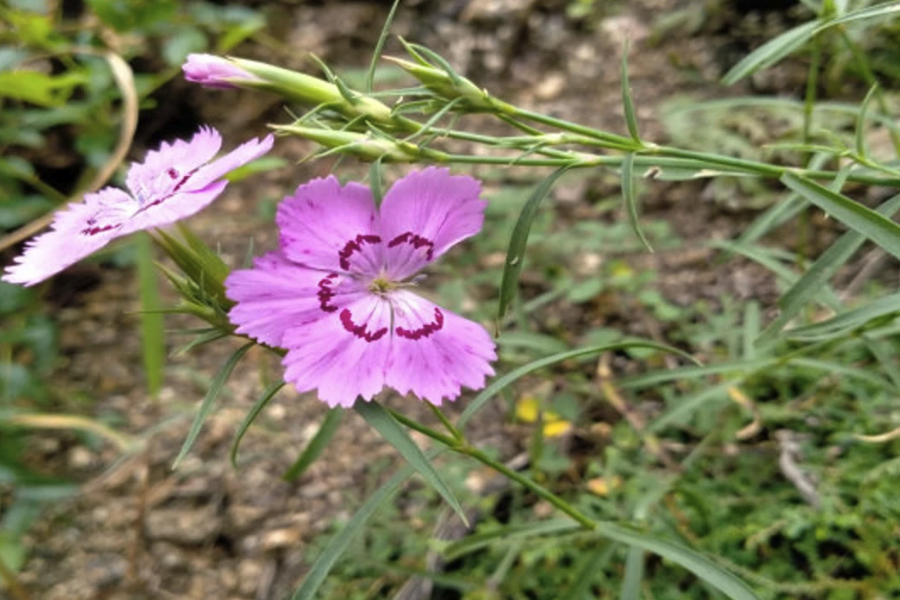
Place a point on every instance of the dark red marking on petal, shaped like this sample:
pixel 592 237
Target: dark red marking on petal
pixel 173 174
pixel 416 241
pixel 360 330
pixel 326 293
pixel 355 245
pixel 93 229
pixel 425 330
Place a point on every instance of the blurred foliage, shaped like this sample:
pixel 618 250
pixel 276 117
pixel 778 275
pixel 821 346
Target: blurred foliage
pixel 60 115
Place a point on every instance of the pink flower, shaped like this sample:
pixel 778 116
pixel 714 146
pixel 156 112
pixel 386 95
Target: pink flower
pixel 214 71
pixel 172 183
pixel 337 295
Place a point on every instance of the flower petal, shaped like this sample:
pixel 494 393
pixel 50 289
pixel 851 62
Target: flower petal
pixel 327 226
pixel 163 170
pixel 78 230
pixel 424 214
pixel 171 209
pixel 343 355
pixel 218 168
pixel 435 352
pixel 277 294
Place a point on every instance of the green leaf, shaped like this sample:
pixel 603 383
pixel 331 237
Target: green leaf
pixel 507 533
pixel 869 223
pixel 215 387
pixel 847 321
pixel 260 165
pixel 382 422
pixel 338 544
pixel 316 445
pixel 771 52
pixel 817 275
pixel 379 46
pixel 888 9
pixel 627 100
pixel 258 406
pixel 153 342
pixel 630 199
pixel 519 240
pixel 634 573
pixel 861 122
pixel 693 561
pixel 505 381
pixel 594 564
pixel 39 88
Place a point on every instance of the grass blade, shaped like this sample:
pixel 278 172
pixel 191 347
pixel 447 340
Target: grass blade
pixel 251 416
pixel 693 561
pixel 209 401
pixel 339 543
pixel 854 215
pixel 628 101
pixel 477 541
pixel 316 445
pixel 505 381
pixel 634 573
pixel 847 321
pixel 379 46
pixel 153 343
pixel 887 9
pixel 394 433
pixel 519 240
pixel 630 199
pixel 817 275
pixel 771 52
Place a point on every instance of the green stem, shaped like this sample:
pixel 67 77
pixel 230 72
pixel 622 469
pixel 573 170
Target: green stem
pixel 446 422
pixel 460 446
pixel 538 489
pixel 812 81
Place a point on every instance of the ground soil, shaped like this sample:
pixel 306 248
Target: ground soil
pixel 138 529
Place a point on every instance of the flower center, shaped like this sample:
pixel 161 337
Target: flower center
pixel 381 285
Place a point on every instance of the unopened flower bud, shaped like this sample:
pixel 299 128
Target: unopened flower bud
pixel 215 72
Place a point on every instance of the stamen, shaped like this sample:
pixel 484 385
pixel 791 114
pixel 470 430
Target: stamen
pixel 360 330
pixel 425 330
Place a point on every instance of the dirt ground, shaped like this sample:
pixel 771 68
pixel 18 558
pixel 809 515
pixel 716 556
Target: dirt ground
pixel 138 530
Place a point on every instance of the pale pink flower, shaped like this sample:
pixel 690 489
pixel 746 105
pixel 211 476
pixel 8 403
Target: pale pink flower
pixel 337 296
pixel 214 71
pixel 172 183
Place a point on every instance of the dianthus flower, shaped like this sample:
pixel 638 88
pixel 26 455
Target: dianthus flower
pixel 172 183
pixel 337 295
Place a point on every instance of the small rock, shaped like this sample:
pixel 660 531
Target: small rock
pixel 184 525
pixel 280 538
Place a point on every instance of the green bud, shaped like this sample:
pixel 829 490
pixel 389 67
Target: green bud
pixel 364 146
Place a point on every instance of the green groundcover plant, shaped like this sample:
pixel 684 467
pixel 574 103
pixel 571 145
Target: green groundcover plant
pixel 337 303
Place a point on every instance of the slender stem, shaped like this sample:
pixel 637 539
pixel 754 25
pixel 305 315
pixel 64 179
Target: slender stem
pixel 812 82
pixel 618 140
pixel 538 489
pixel 448 441
pixel 446 422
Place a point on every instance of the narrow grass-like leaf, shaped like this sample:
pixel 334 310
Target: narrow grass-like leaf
pixel 888 9
pixel 861 122
pixel 375 181
pixel 771 52
pixel 685 406
pixel 836 368
pixel 153 343
pixel 737 367
pixel 202 338
pixel 338 544
pixel 630 199
pixel 627 101
pixel 587 574
pixel 394 433
pixel 379 46
pixel 848 321
pixel 817 275
pixel 215 387
pixel 258 406
pixel 316 445
pixel 505 381
pixel 519 240
pixel 693 561
pixel 854 215
pixel 477 541
pixel 634 573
